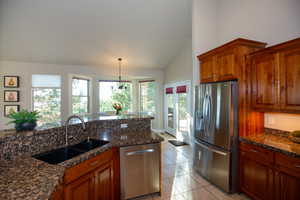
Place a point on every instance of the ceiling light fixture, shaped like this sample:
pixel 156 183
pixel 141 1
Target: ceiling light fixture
pixel 121 86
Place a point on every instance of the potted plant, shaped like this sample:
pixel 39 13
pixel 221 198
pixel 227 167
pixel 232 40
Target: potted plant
pixel 24 120
pixel 117 107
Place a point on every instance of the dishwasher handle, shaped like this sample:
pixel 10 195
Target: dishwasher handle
pixel 140 152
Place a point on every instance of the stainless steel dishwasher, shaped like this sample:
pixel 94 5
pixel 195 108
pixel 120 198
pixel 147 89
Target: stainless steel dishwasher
pixel 140 170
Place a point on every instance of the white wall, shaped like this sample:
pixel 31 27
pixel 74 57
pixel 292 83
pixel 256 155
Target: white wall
pixel 181 67
pixel 25 70
pixel 273 21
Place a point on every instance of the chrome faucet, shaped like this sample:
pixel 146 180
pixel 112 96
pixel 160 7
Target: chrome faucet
pixel 67 125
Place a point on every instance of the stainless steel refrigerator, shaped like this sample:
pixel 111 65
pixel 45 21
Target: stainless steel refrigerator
pixel 215 133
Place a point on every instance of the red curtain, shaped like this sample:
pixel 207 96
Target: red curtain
pixel 169 90
pixel 181 89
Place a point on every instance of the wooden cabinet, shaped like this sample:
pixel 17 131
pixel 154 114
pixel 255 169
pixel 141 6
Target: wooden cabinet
pixel 206 70
pixel 104 184
pixel 290 79
pixel 81 189
pixel 94 179
pixel 256 177
pixel 265 82
pixel 226 62
pixel 275 78
pixel 268 175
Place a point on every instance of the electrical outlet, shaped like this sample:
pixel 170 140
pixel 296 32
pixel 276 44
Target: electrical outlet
pixel 124 125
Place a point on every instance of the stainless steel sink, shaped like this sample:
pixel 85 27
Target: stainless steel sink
pixel 62 154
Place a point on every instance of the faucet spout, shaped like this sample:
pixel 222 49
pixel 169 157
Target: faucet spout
pixel 67 125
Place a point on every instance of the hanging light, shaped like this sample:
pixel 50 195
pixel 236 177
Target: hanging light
pixel 121 86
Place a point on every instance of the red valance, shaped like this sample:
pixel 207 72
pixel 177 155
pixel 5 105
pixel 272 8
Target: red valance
pixel 181 89
pixel 169 90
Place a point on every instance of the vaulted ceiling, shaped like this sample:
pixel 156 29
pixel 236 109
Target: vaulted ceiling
pixel 147 33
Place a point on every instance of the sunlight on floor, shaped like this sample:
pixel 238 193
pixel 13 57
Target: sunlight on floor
pixel 180 182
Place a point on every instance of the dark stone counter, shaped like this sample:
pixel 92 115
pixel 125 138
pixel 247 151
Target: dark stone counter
pixel 274 142
pixel 26 178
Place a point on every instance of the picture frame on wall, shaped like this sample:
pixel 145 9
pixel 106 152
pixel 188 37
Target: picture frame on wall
pixel 11 96
pixel 8 109
pixel 11 81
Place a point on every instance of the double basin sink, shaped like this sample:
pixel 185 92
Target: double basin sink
pixel 62 154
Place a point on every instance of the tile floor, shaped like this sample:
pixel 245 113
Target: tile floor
pixel 180 182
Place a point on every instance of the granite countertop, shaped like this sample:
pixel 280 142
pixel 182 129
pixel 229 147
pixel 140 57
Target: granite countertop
pixel 87 118
pixel 274 142
pixel 28 178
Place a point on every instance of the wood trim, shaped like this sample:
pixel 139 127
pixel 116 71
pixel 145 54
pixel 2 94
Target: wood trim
pixel 236 42
pixel 278 47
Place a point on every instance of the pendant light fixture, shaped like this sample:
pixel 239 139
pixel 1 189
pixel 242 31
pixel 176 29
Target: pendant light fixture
pixel 121 86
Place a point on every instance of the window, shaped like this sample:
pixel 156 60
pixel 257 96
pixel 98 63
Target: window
pixel 46 98
pixel 110 93
pixel 80 95
pixel 147 96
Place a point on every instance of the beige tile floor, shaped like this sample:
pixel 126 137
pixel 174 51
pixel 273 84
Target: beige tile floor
pixel 180 182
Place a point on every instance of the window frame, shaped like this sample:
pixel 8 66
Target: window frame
pixel 140 96
pixel 89 94
pixel 32 92
pixel 116 81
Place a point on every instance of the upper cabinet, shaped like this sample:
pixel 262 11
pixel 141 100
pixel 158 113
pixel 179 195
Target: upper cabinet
pixel 275 78
pixel 226 62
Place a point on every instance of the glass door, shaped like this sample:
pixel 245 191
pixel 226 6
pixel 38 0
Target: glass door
pixel 170 110
pixel 178 110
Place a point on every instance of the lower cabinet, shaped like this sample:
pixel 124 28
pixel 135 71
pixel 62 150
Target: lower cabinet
pixel 266 175
pixel 94 179
pixel 80 189
pixel 287 187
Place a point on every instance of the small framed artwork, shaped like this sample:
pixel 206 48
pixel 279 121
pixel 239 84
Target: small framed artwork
pixel 11 81
pixel 8 109
pixel 11 96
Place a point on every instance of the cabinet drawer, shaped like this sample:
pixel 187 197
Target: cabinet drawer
pixel 81 169
pixel 288 164
pixel 257 153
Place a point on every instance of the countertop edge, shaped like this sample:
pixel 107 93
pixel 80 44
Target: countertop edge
pixel 269 147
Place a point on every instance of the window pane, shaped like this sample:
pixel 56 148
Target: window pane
pixel 182 112
pixel 80 87
pixel 80 104
pixel 47 103
pixel 39 80
pixel 147 97
pixel 109 94
pixel 170 104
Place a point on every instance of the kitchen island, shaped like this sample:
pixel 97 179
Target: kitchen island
pixel 24 177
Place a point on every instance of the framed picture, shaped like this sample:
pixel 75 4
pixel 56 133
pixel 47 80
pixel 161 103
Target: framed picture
pixel 11 81
pixel 11 96
pixel 8 109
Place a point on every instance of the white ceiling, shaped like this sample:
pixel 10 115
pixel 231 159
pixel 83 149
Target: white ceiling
pixel 146 33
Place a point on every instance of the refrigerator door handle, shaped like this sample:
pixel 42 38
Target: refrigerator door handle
pixel 211 149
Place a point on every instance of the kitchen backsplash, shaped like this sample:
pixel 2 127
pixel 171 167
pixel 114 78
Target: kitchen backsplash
pixel 14 144
pixel 282 121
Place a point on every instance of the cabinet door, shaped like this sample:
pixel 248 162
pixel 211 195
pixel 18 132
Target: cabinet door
pixel 255 179
pixel 104 182
pixel 80 189
pixel 225 66
pixel 288 187
pixel 265 82
pixel 206 70
pixel 290 80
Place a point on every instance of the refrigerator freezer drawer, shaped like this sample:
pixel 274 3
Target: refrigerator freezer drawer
pixel 140 170
pixel 213 164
